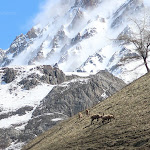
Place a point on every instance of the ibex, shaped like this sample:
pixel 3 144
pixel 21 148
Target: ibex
pixel 80 115
pixel 95 117
pixel 107 117
pixel 87 112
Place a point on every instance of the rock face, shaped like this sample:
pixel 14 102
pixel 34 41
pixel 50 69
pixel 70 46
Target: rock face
pixel 53 75
pixel 77 95
pixel 20 112
pixel 69 95
pixel 32 33
pixel 7 136
pixel 9 75
pixel 87 3
pixel 50 75
pixel 90 3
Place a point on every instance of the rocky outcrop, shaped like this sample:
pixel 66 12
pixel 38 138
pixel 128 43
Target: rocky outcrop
pixel 76 39
pixel 91 61
pixel 7 136
pixel 30 81
pixel 48 74
pixel 87 3
pixel 90 3
pixel 20 112
pixel 32 33
pixel 79 94
pixel 52 75
pixel 18 45
pixel 9 75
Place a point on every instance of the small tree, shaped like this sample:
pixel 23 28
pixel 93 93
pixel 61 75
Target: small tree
pixel 140 39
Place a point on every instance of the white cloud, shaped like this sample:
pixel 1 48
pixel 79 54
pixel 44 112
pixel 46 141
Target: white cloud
pixel 146 2
pixel 51 9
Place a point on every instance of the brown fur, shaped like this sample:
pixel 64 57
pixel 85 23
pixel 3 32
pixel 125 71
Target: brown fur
pixel 107 117
pixel 87 112
pixel 95 117
pixel 80 115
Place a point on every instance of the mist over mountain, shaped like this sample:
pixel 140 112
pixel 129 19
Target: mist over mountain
pixel 77 35
pixel 67 62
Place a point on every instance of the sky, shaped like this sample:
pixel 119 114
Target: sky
pixel 16 17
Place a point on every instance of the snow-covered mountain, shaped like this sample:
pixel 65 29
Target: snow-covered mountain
pixel 73 36
pixel 78 37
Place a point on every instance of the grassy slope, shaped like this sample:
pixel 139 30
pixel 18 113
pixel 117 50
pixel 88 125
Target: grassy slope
pixel 130 129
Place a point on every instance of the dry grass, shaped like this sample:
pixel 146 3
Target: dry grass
pixel 130 129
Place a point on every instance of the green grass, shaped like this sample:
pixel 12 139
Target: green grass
pixel 129 130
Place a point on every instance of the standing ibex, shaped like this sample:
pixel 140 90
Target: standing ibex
pixel 80 115
pixel 95 117
pixel 107 117
pixel 87 112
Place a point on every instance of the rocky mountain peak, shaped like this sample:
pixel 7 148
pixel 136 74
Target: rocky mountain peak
pixel 33 33
pixel 74 34
pixel 87 3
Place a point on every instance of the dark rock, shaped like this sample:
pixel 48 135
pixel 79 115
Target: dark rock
pixel 20 111
pixel 27 84
pixel 87 3
pixel 23 110
pixel 77 39
pixel 56 65
pixel 90 3
pixel 5 115
pixel 52 75
pixel 9 75
pixel 7 136
pixel 89 33
pixel 26 136
pixel 32 33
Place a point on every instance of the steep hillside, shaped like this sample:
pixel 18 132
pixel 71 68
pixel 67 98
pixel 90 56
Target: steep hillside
pixel 129 130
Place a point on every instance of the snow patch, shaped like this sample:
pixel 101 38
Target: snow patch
pixel 56 119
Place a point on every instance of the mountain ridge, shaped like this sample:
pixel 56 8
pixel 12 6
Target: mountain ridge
pixel 75 33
